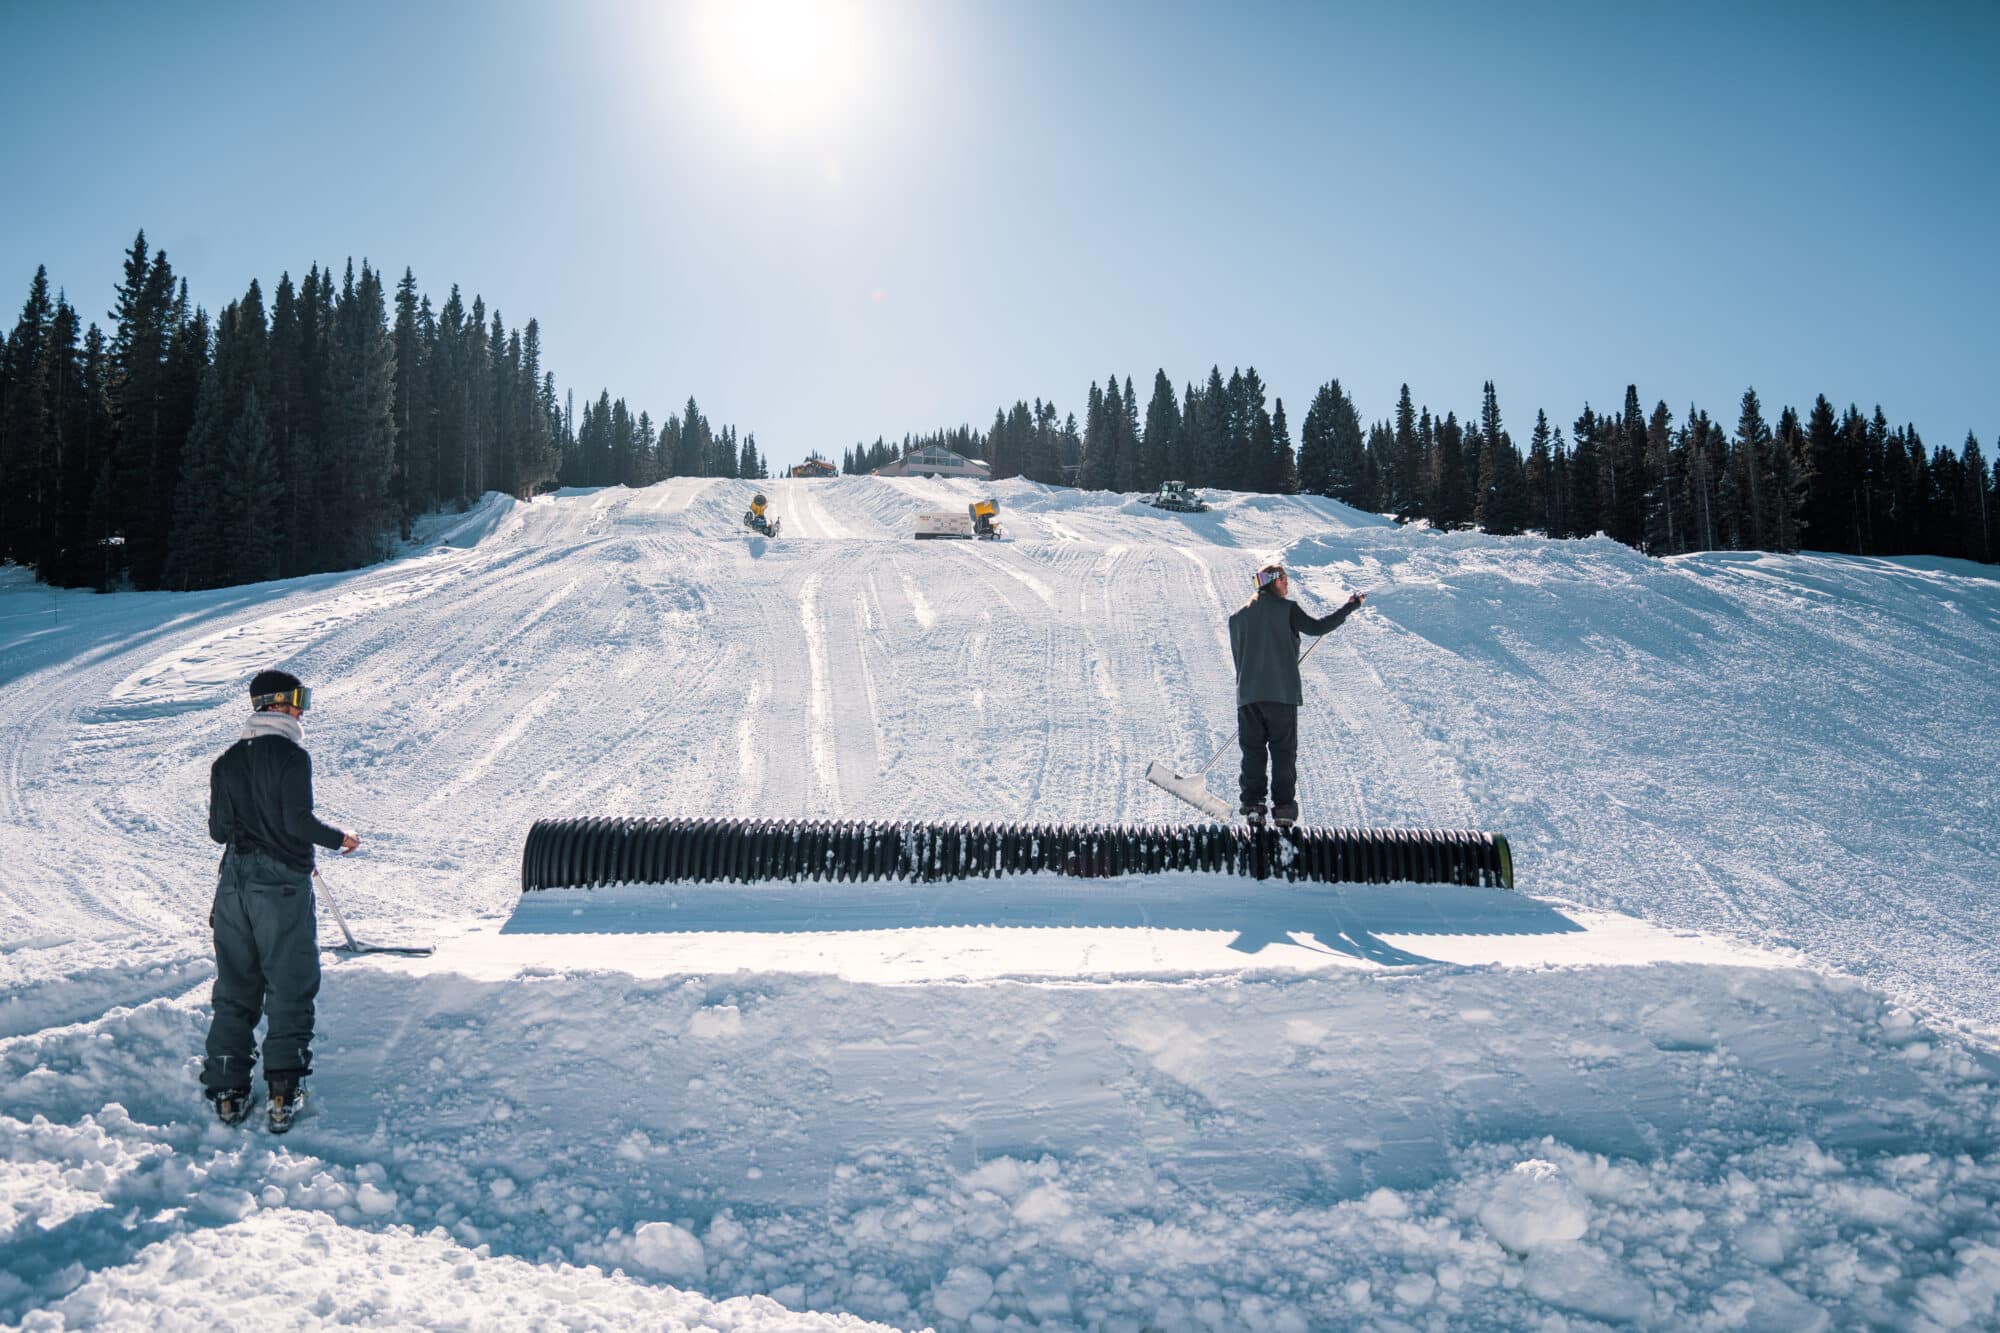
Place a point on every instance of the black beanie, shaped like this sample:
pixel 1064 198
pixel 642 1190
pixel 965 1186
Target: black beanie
pixel 272 682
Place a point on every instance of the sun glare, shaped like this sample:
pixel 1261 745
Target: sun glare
pixel 783 64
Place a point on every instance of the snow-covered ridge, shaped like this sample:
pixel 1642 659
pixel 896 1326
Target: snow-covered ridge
pixel 1627 1094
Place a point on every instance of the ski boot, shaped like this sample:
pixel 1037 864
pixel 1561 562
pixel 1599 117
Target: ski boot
pixel 1254 816
pixel 288 1103
pixel 1286 815
pixel 231 1105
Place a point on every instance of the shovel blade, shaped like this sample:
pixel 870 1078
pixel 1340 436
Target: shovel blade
pixel 1189 790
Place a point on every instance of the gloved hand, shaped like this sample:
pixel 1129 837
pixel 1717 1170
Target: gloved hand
pixel 1356 600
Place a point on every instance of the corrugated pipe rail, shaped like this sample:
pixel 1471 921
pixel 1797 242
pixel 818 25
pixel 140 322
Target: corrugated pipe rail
pixel 580 853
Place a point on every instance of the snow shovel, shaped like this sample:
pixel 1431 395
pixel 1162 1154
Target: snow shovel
pixel 355 946
pixel 1194 790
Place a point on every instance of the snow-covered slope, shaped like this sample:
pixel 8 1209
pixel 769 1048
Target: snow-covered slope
pixel 1725 1059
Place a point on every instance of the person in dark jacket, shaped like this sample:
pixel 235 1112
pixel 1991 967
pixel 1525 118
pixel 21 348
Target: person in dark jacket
pixel 260 808
pixel 1264 640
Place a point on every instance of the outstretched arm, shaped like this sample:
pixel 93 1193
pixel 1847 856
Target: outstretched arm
pixel 1304 623
pixel 296 794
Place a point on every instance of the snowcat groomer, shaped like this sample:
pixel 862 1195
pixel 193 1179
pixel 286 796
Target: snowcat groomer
pixel 757 520
pixel 1176 496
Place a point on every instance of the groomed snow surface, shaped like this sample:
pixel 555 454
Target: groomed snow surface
pixel 1726 1060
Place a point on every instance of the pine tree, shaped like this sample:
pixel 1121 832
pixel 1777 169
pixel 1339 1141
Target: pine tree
pixel 1666 526
pixel 26 430
pixel 361 423
pixel 539 435
pixel 151 344
pixel 1408 466
pixel 1749 464
pixel 1537 475
pixel 1872 444
pixel 413 494
pixel 1213 448
pixel 1130 466
pixel 1378 467
pixel 1622 456
pixel 1586 488
pixel 1350 476
pixel 1098 447
pixel 1157 445
pixel 1286 462
pixel 195 551
pixel 84 427
pixel 1187 440
pixel 1454 503
pixel 250 496
pixel 1975 504
pixel 1785 487
pixel 1496 506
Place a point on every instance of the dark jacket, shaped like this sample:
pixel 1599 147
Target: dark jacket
pixel 1264 640
pixel 260 799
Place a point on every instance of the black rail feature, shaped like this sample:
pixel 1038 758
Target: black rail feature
pixel 581 853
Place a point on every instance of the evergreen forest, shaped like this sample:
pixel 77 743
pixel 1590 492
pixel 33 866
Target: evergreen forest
pixel 1836 480
pixel 292 435
pixel 306 433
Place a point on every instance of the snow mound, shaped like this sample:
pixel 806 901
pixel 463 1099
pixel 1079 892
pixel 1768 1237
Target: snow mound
pixel 1532 1207
pixel 1725 1062
pixel 251 1274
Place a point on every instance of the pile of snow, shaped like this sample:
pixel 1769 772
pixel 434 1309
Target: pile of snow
pixel 1725 1062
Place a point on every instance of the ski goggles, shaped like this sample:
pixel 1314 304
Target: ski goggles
pixel 301 699
pixel 1266 577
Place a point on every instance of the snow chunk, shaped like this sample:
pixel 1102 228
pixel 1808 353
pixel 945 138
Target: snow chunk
pixel 1386 1204
pixel 719 1022
pixel 1042 1205
pixel 1577 1277
pixel 1532 1206
pixel 374 1201
pixel 963 1292
pixel 665 1250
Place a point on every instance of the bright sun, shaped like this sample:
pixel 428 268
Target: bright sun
pixel 783 64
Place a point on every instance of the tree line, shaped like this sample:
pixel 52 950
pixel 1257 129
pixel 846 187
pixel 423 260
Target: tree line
pixel 180 451
pixel 1834 480
pixel 611 447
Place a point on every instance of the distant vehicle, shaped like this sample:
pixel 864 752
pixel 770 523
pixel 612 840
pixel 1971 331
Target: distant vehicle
pixel 1177 496
pixel 980 521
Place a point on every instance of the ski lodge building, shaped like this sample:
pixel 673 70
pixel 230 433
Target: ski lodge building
pixel 936 463
pixel 812 467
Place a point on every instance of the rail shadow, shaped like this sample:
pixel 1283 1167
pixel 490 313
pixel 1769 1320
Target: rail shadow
pixel 1343 919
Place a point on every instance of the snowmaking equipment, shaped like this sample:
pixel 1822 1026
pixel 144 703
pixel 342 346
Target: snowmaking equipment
pixel 589 853
pixel 981 521
pixel 755 519
pixel 1176 495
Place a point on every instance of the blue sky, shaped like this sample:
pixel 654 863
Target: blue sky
pixel 890 217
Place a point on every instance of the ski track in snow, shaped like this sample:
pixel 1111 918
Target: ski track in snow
pixel 1091 1106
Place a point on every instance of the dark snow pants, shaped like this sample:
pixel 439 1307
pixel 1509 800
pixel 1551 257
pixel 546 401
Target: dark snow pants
pixel 266 961
pixel 1274 729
